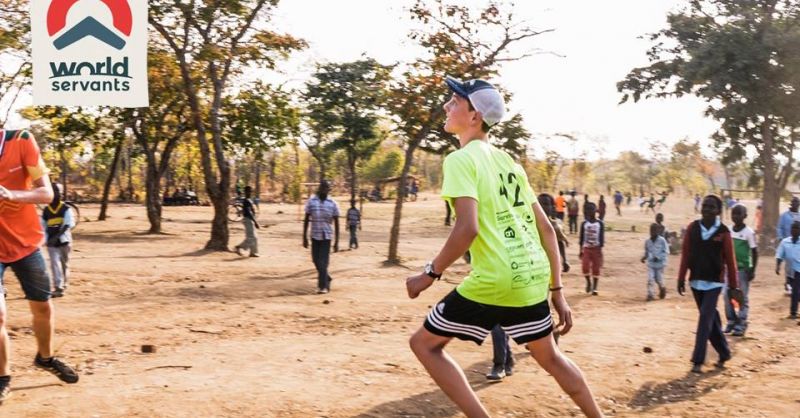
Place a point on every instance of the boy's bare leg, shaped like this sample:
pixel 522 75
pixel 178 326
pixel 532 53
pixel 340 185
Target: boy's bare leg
pixel 43 326
pixel 429 349
pixel 566 373
pixel 5 368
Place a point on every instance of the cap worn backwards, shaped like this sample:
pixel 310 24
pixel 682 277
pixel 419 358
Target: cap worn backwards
pixel 484 98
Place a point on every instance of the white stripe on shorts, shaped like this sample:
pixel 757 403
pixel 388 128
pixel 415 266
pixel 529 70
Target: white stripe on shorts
pixel 445 325
pixel 548 319
pixel 530 328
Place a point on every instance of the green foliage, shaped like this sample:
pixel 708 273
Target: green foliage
pixel 382 165
pixel 260 118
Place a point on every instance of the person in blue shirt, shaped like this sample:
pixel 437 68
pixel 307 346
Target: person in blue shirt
pixel 789 250
pixel 656 252
pixel 784 230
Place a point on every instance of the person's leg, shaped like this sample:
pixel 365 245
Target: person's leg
pixel 324 260
pixel 5 349
pixel 662 289
pixel 566 373
pixel 597 264
pixel 55 267
pixel 651 283
pixel 429 349
pixel 730 312
pixel 315 255
pixel 66 250
pixel 250 242
pixel 795 294
pixel 499 346
pixel 585 265
pixel 744 308
pixel 704 321
pixel 43 326
pixel 716 336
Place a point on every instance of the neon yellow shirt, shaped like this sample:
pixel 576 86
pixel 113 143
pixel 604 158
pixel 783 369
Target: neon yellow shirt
pixel 509 264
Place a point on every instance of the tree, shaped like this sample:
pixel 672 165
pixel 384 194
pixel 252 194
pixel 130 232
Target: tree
pixel 158 128
pixel 259 120
pixel 458 41
pixel 743 57
pixel 15 40
pixel 344 102
pixel 213 41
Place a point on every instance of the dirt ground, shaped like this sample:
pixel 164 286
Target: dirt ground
pixel 248 337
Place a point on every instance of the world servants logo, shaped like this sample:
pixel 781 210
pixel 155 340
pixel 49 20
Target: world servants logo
pixel 90 52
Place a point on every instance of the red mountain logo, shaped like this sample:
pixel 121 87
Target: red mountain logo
pixel 57 21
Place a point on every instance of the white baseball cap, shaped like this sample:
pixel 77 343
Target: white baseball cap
pixel 484 98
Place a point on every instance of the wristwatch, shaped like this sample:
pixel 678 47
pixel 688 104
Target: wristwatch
pixel 429 271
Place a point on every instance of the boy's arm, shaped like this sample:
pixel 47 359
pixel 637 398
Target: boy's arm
pixel 684 255
pixel 580 238
pixel 779 254
pixel 602 234
pixel 644 257
pixel 461 236
pixel 547 236
pixel 730 260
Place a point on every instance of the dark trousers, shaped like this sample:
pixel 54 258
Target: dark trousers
pixel 795 293
pixel 709 326
pixel 353 237
pixel 573 224
pixel 321 254
pixel 502 350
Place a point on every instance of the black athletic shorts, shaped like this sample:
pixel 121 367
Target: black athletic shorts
pixel 457 316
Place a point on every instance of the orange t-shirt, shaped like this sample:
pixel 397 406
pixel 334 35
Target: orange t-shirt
pixel 20 164
pixel 561 204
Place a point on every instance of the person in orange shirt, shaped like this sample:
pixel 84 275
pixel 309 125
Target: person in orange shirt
pixel 561 206
pixel 757 219
pixel 24 183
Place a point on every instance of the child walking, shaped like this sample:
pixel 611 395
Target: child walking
pixel 592 239
pixel 708 255
pixel 353 223
pixel 789 250
pixel 746 251
pixel 250 225
pixel 655 254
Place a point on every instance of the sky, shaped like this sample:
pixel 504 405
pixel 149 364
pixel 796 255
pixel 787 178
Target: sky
pixel 597 43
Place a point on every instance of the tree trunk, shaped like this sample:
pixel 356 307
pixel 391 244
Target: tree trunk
pixel 64 169
pixel 394 236
pixel 153 196
pixel 351 161
pixel 110 179
pixel 258 181
pixel 771 197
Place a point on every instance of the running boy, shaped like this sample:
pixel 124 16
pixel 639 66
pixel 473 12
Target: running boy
pixel 789 250
pixel 708 254
pixel 655 254
pixel 514 258
pixel 57 222
pixel 592 239
pixel 746 250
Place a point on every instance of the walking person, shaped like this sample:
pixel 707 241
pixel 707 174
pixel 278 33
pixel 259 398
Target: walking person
pixel 601 208
pixel 746 252
pixel 708 255
pixel 783 231
pixel 515 263
pixel 573 208
pixel 23 184
pixel 560 205
pixel 353 224
pixel 592 240
pixel 618 202
pixel 656 254
pixel 321 212
pixel 789 250
pixel 250 223
pixel 58 222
